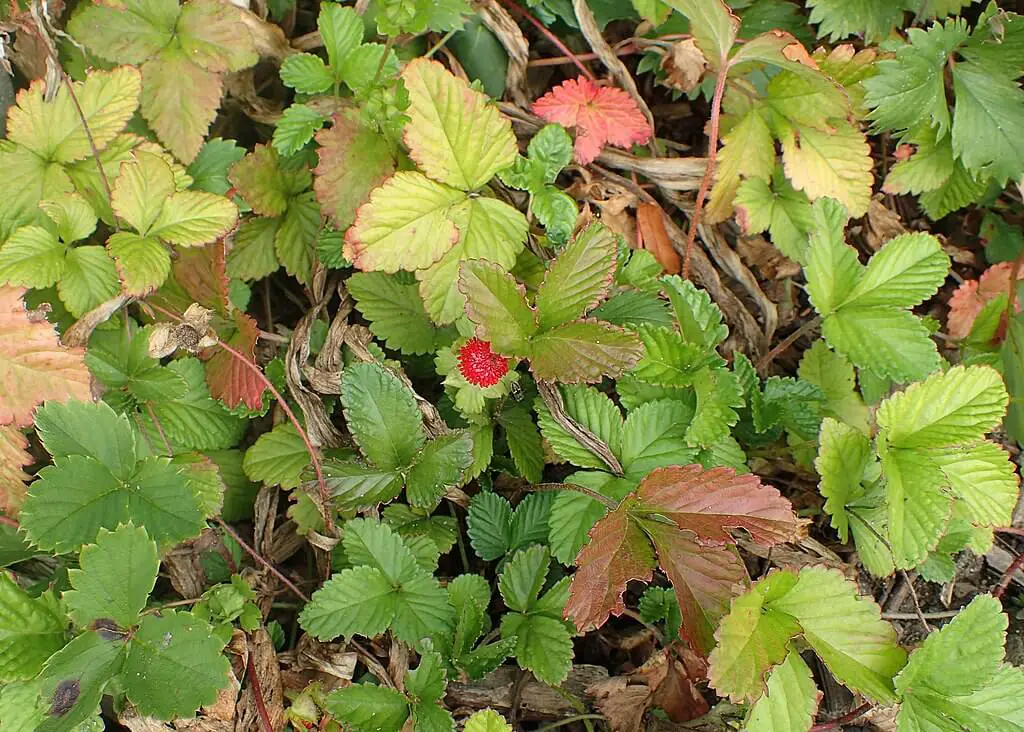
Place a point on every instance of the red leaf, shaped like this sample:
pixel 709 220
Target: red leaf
pixel 710 502
pixel 972 295
pixel 618 551
pixel 601 115
pixel 705 579
pixel 34 365
pixel 228 379
pixel 13 457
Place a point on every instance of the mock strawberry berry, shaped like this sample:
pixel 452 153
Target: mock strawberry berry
pixel 480 365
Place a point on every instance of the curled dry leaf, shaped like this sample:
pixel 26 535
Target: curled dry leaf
pixel 192 334
pixel 971 297
pixel 684 66
pixel 650 222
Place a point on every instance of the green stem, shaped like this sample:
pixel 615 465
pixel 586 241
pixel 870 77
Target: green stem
pixel 440 44
pixel 569 720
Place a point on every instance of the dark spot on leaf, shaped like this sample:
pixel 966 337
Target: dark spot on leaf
pixel 108 629
pixel 64 697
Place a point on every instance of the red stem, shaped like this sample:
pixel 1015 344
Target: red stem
pixel 256 555
pixel 705 183
pixel 1004 581
pixel 257 693
pixel 524 13
pixel 8 521
pixel 325 495
pixel 838 722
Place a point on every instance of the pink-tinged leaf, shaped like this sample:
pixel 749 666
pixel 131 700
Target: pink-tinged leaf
pixel 13 457
pixel 601 115
pixel 353 161
pixel 971 297
pixel 231 381
pixel 34 366
pixel 198 274
pixel 618 551
pixel 179 101
pixel 705 579
pixel 711 502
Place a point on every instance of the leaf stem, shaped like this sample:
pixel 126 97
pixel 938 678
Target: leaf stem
pixel 555 40
pixel 1004 581
pixel 785 343
pixel 609 503
pixel 257 693
pixel 441 43
pixel 705 182
pixel 838 722
pixel 325 495
pixel 265 563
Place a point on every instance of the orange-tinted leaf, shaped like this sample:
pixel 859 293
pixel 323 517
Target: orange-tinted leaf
pixel 972 295
pixel 202 273
pixel 13 457
pixel 601 115
pixel 34 366
pixel 180 100
pixel 618 551
pixel 705 579
pixel 650 220
pixel 710 502
pixel 353 161
pixel 228 379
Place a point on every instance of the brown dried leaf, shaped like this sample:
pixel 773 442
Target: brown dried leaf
pixel 650 221
pixel 685 66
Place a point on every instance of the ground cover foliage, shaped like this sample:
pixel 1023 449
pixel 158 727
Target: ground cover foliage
pixel 511 364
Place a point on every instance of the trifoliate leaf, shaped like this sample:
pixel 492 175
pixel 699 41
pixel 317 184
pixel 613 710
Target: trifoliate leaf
pixel 454 135
pixel 31 629
pixel 359 600
pixel 791 700
pixel 779 209
pixel 116 576
pixel 749 153
pixel 34 366
pixel 497 304
pixel 353 161
pixel 278 457
pixel 583 351
pixel 404 225
pixel 579 278
pixel 297 126
pixel 524 441
pixel 382 415
pixel 601 115
pixel 174 665
pixel 543 645
pixel 368 708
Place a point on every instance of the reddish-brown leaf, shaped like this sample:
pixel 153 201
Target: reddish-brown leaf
pixel 34 366
pixel 972 295
pixel 618 551
pixel 353 161
pixel 13 457
pixel 601 115
pixel 230 380
pixel 705 579
pixel 710 502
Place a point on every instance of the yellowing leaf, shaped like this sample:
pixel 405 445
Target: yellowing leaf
pixel 191 218
pixel 179 101
pixel 214 35
pixel 54 129
pixel 140 190
pixel 837 165
pixel 353 161
pixel 405 225
pixel 748 152
pixel 455 135
pixel 143 263
pixel 34 366
pixel 13 457
pixel 129 35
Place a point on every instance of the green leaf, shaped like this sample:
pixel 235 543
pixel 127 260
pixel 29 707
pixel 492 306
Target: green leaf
pixel 791 701
pixel 487 720
pixel 669 360
pixel 497 304
pixel 209 171
pixel 748 152
pixel 891 343
pixel 306 73
pixel 591 409
pixel 116 576
pixel 32 257
pixel 341 30
pixel 522 578
pixel 368 708
pixel 983 118
pixel 296 236
pixel 88 429
pixel 77 496
pixel 579 278
pixel 834 375
pixel 427 682
pixel 957 406
pixel 872 18
pixel 143 263
pixel 277 457
pixel 583 351
pixel 296 128
pixel 253 256
pixel 194 421
pixel 31 629
pixel 845 630
pixel 455 136
pixel 174 665
pixel 633 308
pixel 906 271
pixel 700 320
pixel 89 279
pixel 375 544
pixel 574 514
pixel 524 441
pixel 359 600
pixel 654 436
pixel 543 645
pixel 441 464
pixel 713 26
pixel 355 486
pixel 120 360
pixel 489 525
pixel 843 457
pixel 779 209
pixel 382 415
pixel 395 311
pixel 405 224
pixel 719 395
pixel 85 665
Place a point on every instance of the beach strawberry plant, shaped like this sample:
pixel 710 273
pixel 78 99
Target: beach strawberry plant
pixel 510 365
